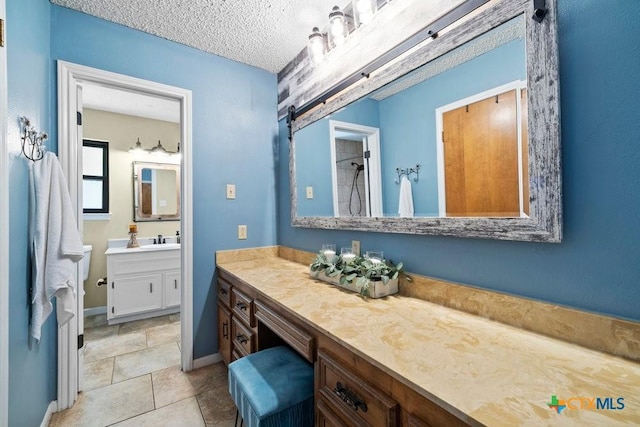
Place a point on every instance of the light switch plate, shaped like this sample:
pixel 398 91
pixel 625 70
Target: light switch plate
pixel 242 232
pixel 355 247
pixel 231 191
pixel 309 192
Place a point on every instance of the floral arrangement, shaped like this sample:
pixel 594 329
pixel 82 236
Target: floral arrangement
pixel 360 271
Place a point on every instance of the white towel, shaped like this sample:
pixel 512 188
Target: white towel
pixel 406 198
pixel 56 245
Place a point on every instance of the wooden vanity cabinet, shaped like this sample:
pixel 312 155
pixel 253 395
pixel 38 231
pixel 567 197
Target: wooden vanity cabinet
pixel 344 381
pixel 350 397
pixel 237 334
pixel 224 332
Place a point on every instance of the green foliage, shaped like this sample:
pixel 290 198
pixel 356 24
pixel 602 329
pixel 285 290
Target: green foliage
pixel 361 271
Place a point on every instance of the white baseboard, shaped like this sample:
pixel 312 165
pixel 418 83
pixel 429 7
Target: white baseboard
pixel 207 360
pixel 95 310
pixel 53 407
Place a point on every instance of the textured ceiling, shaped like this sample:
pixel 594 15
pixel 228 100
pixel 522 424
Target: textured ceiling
pixel 267 34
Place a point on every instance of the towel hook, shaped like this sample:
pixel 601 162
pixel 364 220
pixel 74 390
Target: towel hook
pixel 34 138
pixel 408 173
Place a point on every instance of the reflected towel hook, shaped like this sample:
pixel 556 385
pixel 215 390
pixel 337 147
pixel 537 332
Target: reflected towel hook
pixel 408 173
pixel 35 139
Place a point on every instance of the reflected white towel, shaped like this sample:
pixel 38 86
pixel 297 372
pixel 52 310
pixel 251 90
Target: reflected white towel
pixel 406 198
pixel 56 245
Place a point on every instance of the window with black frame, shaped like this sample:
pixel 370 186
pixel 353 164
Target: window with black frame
pixel 95 176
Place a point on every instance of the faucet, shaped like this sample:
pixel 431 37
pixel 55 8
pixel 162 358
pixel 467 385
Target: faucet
pixel 160 239
pixel 177 237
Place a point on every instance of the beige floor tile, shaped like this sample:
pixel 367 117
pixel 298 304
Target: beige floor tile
pixel 97 374
pixel 163 334
pixel 183 413
pixel 171 384
pixel 93 333
pixel 114 345
pixel 95 320
pixel 145 361
pixel 217 407
pixel 174 317
pixel 138 325
pixel 108 405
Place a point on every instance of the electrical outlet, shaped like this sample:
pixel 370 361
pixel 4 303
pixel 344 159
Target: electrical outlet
pixel 242 232
pixel 231 191
pixel 355 247
pixel 309 192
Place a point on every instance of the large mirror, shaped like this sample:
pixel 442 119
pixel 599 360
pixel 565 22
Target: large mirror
pixel 156 191
pixel 462 143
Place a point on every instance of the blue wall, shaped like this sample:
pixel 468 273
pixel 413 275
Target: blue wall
pixel 313 157
pixel 597 265
pixel 408 121
pixel 234 135
pixel 32 366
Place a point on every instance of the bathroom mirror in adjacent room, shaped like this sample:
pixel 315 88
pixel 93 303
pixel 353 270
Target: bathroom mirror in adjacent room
pixel 473 129
pixel 156 190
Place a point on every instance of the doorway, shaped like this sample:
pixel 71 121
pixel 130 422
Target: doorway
pixel 482 157
pixel 355 169
pixel 71 80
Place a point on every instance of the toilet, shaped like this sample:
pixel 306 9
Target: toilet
pixel 85 261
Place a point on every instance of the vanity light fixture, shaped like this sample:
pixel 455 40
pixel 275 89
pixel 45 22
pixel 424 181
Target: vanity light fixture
pixel 337 27
pixel 158 150
pixel 316 45
pixel 138 148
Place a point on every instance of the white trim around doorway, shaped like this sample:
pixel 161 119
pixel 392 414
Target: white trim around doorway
pixel 70 77
pixel 4 242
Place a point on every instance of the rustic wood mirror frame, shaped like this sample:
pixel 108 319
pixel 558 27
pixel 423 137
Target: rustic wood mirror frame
pixel 545 221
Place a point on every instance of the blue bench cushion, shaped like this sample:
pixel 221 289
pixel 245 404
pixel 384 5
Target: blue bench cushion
pixel 273 387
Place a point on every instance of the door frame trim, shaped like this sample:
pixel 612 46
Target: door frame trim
pixel 4 231
pixel 514 85
pixel 71 75
pixel 373 168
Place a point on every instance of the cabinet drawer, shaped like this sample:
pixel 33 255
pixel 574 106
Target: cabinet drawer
pixel 224 292
pixel 243 338
pixel 291 333
pixel 352 398
pixel 242 306
pixel 325 417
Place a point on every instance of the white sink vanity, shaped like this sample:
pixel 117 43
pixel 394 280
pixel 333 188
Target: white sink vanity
pixel 142 282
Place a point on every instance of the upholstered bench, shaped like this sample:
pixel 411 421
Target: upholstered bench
pixel 273 388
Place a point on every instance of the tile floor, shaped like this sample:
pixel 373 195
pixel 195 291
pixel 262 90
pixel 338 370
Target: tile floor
pixel 132 377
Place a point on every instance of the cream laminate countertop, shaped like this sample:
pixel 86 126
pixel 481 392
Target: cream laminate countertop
pixel 494 373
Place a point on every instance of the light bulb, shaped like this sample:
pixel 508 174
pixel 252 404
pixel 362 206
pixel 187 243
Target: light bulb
pixel 316 46
pixel 336 27
pixel 364 11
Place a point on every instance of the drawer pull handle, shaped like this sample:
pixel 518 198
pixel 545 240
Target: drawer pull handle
pixel 350 398
pixel 241 339
pixel 223 291
pixel 225 330
pixel 175 283
pixel 151 288
pixel 242 306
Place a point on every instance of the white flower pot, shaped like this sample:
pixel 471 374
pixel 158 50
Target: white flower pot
pixel 377 288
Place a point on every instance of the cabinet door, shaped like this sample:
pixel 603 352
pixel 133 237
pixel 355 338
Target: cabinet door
pixel 172 289
pixel 224 332
pixel 136 294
